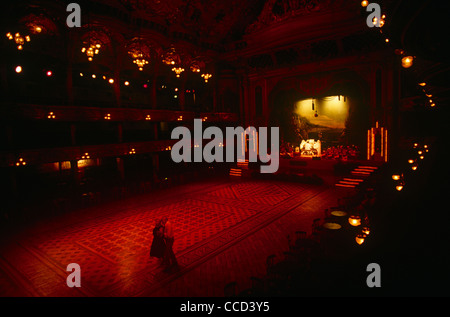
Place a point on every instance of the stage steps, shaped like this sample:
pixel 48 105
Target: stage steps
pixel 240 170
pixel 358 175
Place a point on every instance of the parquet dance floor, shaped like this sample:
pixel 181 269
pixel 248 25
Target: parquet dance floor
pixel 223 232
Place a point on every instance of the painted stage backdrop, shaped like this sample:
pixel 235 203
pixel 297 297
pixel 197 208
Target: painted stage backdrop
pixel 321 118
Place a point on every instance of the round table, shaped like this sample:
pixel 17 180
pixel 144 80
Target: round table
pixel 338 213
pixel 332 226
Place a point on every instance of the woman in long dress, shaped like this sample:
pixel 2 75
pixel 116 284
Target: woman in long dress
pixel 158 245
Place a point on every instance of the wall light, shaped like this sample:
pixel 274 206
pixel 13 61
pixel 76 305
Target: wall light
pixel 354 220
pixel 407 61
pixel 360 238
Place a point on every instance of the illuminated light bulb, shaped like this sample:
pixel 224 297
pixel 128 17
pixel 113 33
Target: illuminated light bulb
pixel 421 157
pixel 410 161
pixel 49 73
pixel 399 187
pixel 366 231
pixel 81 75
pixel 407 61
pixel 354 221
pixel 364 3
pixel 387 40
pixel 419 152
pixel 38 29
pixel 111 81
pixel 395 177
pixel 19 47
pixel 360 239
pixel 422 84
pixel 19 69
pixel 414 167
pixel 127 83
pixel 432 105
pixel 94 76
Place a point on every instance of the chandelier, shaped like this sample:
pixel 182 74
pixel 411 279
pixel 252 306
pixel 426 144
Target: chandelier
pixel 178 70
pixel 91 50
pixel 195 67
pixel 171 57
pixel 139 53
pixel 206 77
pixel 19 39
pixel 139 59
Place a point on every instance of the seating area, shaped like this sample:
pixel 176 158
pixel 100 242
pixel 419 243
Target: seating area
pixel 341 152
pixel 317 261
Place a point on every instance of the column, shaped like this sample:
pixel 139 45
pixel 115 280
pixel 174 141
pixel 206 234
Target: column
pixel 119 132
pixel 153 97
pixel 73 139
pixel 69 80
pixel 181 93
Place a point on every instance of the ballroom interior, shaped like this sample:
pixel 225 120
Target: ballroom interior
pixel 91 93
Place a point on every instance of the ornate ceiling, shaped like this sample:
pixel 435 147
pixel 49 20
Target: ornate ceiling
pixel 216 21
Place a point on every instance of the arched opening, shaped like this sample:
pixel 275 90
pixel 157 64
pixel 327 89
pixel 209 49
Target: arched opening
pixel 336 114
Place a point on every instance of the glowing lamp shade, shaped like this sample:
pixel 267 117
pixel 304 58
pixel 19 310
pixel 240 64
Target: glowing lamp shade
pixel 360 239
pixel 354 221
pixel 407 61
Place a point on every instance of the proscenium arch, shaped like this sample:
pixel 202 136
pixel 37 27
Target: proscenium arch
pixel 288 91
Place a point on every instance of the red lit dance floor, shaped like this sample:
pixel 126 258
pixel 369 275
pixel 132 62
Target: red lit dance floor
pixel 223 232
